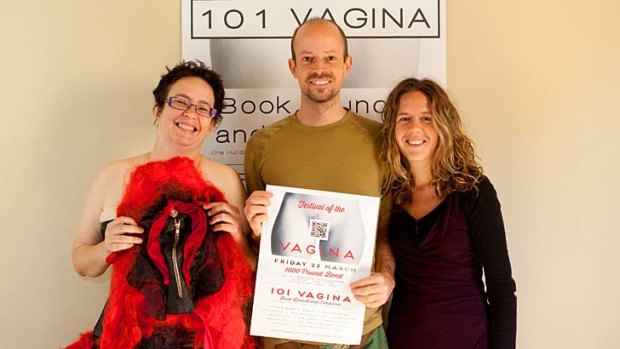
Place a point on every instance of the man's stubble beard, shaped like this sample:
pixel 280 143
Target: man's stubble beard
pixel 324 96
pixel 321 97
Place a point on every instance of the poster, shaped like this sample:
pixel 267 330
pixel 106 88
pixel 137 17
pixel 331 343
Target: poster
pixel 314 244
pixel 248 44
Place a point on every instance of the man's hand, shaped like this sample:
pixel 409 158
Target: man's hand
pixel 256 211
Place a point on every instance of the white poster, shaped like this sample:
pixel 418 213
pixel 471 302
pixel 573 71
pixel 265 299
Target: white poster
pixel 313 246
pixel 248 44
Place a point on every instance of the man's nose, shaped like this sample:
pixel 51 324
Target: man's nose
pixel 318 64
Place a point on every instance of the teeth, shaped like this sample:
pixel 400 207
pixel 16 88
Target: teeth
pixel 415 142
pixel 320 82
pixel 186 126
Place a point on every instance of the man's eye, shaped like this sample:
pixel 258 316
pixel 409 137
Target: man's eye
pixel 204 109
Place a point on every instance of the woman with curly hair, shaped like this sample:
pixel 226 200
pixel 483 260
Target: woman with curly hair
pixel 445 229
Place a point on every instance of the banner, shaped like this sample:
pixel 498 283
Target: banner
pixel 248 43
pixel 313 246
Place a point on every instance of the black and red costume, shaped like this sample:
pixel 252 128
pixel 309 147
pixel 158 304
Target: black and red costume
pixel 185 286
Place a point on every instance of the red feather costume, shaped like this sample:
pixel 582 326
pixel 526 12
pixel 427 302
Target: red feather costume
pixel 184 286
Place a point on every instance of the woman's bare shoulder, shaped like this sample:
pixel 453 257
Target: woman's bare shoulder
pixel 214 169
pixel 110 183
pixel 221 175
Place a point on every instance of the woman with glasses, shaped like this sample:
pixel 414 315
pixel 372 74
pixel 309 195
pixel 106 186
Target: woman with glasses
pixel 169 221
pixel 445 229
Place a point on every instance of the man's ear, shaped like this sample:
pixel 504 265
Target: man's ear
pixel 292 67
pixel 348 63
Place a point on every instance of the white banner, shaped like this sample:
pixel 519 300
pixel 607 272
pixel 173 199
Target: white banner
pixel 248 44
pixel 252 19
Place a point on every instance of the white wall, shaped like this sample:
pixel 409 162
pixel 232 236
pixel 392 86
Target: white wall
pixel 535 81
pixel 537 84
pixel 76 89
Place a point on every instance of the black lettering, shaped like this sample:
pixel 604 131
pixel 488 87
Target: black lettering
pixel 377 109
pixel 357 106
pixel 282 106
pixel 208 15
pixel 230 26
pixel 423 20
pixel 373 18
pixel 249 107
pixel 360 19
pixel 231 136
pixel 363 106
pixel 222 136
pixel 264 110
pixel 229 103
pixel 251 104
pixel 242 132
pixel 264 15
pixel 398 23
pixel 297 18
pixel 328 14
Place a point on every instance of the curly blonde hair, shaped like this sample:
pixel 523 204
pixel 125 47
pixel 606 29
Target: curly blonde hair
pixel 454 166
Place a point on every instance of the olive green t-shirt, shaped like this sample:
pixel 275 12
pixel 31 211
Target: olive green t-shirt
pixel 341 157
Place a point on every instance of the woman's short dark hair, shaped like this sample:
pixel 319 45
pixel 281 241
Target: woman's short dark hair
pixel 186 69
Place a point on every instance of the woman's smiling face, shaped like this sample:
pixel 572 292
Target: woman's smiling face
pixel 186 128
pixel 415 130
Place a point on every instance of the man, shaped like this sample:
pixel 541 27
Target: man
pixel 322 146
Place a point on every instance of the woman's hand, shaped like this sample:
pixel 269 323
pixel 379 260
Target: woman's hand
pixel 225 217
pixel 120 234
pixel 373 290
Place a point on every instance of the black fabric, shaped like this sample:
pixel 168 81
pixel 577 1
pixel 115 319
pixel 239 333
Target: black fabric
pixel 425 224
pixel 465 234
pixel 175 337
pixel 207 277
pixel 207 270
pixel 207 265
pixel 439 300
pixel 175 303
pixel 98 330
pixel 486 226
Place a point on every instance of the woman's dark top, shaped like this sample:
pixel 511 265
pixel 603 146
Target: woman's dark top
pixel 439 299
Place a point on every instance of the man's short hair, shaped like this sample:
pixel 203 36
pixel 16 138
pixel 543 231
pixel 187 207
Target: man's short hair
pixel 316 19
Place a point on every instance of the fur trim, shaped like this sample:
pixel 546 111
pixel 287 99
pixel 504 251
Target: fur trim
pixel 154 183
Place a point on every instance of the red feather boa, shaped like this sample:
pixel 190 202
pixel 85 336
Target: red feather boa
pixel 125 324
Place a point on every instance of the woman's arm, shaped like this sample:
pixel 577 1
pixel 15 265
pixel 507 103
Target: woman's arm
pixel 90 249
pixel 487 230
